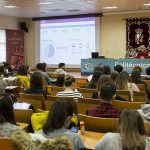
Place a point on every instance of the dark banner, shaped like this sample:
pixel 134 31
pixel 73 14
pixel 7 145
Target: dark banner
pixel 15 47
pixel 138 32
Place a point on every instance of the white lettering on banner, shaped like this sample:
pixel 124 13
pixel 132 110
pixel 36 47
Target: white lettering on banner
pixel 132 65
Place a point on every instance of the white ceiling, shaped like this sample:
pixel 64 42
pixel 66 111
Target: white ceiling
pixel 31 8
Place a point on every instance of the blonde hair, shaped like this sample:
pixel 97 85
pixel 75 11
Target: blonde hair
pixel 132 130
pixel 122 81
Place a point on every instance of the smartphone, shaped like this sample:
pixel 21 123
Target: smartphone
pixel 74 129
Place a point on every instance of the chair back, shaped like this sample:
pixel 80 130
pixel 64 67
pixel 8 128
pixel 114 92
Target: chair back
pixel 87 93
pixel 141 87
pixel 96 124
pixel 147 81
pixel 50 99
pixel 86 103
pixel 124 94
pixel 37 100
pixel 6 144
pixel 49 89
pixel 53 75
pixel 23 115
pixel 126 104
pixel 139 96
pixel 80 84
pixel 56 89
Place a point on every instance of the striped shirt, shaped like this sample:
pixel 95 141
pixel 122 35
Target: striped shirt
pixel 74 94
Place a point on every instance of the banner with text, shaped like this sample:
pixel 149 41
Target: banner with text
pixel 88 65
pixel 15 47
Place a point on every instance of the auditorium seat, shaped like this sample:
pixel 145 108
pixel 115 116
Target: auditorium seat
pixel 50 99
pixel 124 94
pixel 23 115
pixel 141 87
pixel 96 124
pixel 87 93
pixel 86 103
pixel 37 100
pixel 6 143
pixel 49 89
pixel 80 84
pixel 147 81
pixel 139 97
pixel 56 89
pixel 127 104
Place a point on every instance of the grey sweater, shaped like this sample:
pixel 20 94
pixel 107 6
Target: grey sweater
pixel 74 137
pixel 112 141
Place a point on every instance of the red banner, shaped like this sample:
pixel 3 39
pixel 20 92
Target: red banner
pixel 15 47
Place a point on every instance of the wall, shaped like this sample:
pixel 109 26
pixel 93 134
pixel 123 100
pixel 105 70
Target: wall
pixel 112 37
pixel 29 42
pixel 113 34
pixel 8 22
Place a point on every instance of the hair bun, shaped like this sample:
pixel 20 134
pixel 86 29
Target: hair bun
pixel 67 77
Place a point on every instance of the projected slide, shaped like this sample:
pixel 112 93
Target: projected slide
pixel 67 40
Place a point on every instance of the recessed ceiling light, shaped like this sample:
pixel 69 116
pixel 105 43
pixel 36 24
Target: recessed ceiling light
pixel 45 3
pixel 11 6
pixel 110 7
pixel 148 4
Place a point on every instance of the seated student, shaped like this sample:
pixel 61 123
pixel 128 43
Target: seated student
pixel 98 67
pixel 70 90
pixel 105 109
pixel 93 83
pixel 36 85
pixel 7 118
pixel 23 141
pixel 136 77
pixel 60 80
pixel 123 83
pixel 61 69
pixel 40 68
pixel 107 70
pixel 147 77
pixel 118 68
pixel 57 123
pixel 102 79
pixel 114 76
pixel 22 75
pixel 131 134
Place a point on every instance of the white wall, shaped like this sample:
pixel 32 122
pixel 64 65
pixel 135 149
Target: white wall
pixel 7 22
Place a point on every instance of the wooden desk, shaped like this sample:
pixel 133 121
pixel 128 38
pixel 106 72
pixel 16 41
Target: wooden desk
pixel 90 139
pixel 23 126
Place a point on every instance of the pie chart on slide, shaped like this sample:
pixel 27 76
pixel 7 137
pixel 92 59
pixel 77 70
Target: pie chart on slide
pixel 49 51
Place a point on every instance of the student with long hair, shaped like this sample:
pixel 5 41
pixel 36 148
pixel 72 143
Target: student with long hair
pixel 58 120
pixel 123 83
pixel 36 85
pixel 22 75
pixel 7 118
pixel 131 134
